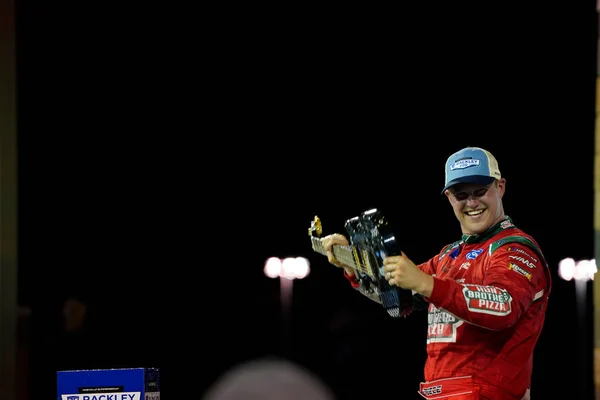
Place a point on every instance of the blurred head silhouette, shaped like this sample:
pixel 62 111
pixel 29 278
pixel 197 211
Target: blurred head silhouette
pixel 268 379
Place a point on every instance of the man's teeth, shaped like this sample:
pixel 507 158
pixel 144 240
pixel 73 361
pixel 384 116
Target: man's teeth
pixel 475 212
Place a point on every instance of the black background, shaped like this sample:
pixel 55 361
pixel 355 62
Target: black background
pixel 166 152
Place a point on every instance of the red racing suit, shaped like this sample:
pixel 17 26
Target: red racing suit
pixel 485 315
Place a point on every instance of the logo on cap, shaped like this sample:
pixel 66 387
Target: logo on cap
pixel 466 163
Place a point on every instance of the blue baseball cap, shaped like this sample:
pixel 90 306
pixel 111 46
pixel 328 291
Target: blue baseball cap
pixel 471 165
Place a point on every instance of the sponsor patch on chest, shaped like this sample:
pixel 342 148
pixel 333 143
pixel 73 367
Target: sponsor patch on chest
pixel 471 255
pixel 441 326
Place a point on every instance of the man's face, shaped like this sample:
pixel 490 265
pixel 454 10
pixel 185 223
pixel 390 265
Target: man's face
pixel 477 207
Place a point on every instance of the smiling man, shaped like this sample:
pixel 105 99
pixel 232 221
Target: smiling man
pixel 487 293
pixel 470 174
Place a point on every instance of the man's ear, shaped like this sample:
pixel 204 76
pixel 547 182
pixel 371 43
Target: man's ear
pixel 501 183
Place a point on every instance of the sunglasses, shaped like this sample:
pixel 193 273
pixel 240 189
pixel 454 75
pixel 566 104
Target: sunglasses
pixel 476 193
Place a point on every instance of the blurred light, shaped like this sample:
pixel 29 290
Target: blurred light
pixel 583 270
pixel 273 267
pixel 566 269
pixel 288 268
pixel 302 267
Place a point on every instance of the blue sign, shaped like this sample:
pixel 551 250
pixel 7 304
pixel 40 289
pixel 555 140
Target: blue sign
pixel 109 384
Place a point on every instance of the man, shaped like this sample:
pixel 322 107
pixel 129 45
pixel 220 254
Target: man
pixel 487 292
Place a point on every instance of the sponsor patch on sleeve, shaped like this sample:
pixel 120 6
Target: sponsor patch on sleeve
pixel 521 251
pixel 522 261
pixel 516 268
pixel 487 299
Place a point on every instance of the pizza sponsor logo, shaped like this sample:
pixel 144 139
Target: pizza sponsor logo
pixel 441 325
pixel 487 299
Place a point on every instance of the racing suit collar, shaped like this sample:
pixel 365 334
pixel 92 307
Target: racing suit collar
pixel 491 231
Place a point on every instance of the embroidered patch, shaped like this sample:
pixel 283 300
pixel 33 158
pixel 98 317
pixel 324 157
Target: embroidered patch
pixel 473 254
pixel 441 326
pixel 464 163
pixel 525 262
pixel 506 224
pixel 520 270
pixel 487 299
pixel 437 389
pixel 518 250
